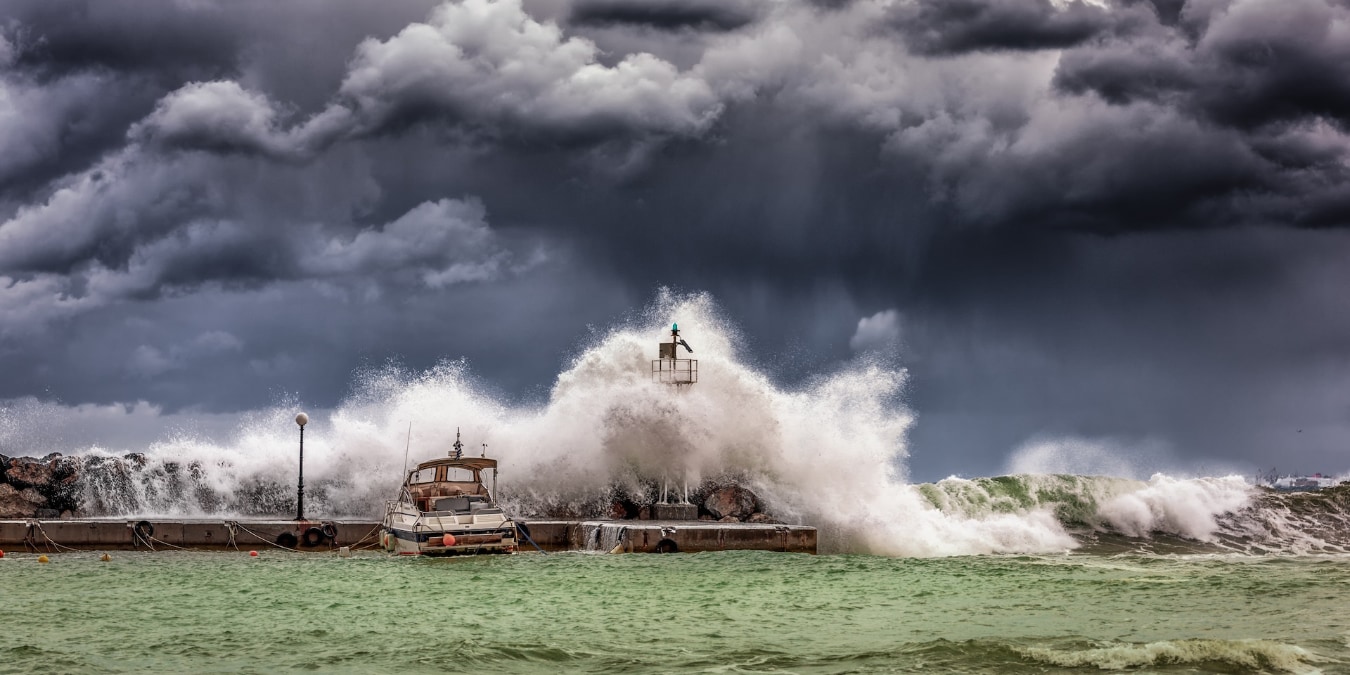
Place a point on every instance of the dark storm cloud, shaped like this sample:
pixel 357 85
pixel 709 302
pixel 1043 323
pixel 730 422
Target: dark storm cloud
pixel 52 41
pixel 664 14
pixel 955 26
pixel 269 197
pixel 1258 64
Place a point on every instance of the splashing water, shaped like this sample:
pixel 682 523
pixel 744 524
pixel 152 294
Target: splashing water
pixel 829 453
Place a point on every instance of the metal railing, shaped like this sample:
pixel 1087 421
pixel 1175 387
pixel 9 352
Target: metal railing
pixel 675 371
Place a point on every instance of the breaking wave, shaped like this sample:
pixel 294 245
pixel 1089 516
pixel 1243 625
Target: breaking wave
pixel 1246 655
pixel 829 453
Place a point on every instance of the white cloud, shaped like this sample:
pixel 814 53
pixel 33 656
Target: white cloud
pixel 28 304
pixel 877 332
pixel 123 196
pixel 442 243
pixel 489 63
pixel 213 115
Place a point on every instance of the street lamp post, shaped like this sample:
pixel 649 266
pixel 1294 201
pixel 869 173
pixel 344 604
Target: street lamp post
pixel 302 419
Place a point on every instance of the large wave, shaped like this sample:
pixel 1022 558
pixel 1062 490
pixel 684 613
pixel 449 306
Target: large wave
pixel 829 453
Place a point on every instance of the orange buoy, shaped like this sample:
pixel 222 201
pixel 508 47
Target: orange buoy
pixel 252 554
pixel 105 557
pixel 449 540
pixel 43 559
pixel 2 554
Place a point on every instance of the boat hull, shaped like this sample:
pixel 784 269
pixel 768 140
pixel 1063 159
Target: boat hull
pixel 422 538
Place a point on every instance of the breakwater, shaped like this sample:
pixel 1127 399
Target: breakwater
pixel 551 535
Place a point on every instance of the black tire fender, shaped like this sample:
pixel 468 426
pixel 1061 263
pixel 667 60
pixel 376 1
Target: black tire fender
pixel 313 537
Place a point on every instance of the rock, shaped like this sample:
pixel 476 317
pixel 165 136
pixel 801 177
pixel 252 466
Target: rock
pixel 55 480
pixel 729 519
pixel 26 472
pixel 617 510
pixel 19 503
pixel 63 491
pixel 760 518
pixel 47 514
pixel 706 517
pixel 645 513
pixel 732 500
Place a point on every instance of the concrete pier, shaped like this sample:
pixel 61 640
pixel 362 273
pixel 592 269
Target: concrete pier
pixel 163 534
pixel 627 536
pixel 684 536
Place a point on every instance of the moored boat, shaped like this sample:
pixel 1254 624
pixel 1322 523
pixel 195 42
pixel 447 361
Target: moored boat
pixel 444 508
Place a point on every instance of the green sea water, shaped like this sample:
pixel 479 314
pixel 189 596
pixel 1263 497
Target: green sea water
pixel 199 612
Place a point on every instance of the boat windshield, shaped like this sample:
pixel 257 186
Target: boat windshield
pixel 452 474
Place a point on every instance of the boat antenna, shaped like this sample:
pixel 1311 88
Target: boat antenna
pixel 406 447
pixel 484 450
pixel 459 447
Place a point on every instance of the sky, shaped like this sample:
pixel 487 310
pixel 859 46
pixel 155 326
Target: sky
pixel 1111 235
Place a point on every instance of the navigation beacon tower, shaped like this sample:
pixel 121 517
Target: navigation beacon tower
pixel 669 368
pixel 680 373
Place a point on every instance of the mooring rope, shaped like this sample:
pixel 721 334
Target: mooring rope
pixel 28 540
pixel 161 541
pixel 53 542
pixel 372 531
pixel 526 531
pixel 264 540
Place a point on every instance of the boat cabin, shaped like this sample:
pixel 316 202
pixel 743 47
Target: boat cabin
pixel 451 485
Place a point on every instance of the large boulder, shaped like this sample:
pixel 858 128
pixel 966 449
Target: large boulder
pixel 19 503
pixel 26 472
pixel 731 500
pixel 55 479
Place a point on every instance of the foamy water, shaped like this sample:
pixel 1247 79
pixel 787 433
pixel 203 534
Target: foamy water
pixel 829 453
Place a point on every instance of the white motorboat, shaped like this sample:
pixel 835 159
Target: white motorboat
pixel 444 508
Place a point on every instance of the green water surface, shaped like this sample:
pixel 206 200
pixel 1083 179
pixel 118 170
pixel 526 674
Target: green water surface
pixel 192 612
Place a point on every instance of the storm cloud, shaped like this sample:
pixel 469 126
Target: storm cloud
pixel 1115 220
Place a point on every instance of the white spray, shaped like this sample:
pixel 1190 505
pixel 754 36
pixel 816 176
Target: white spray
pixel 829 453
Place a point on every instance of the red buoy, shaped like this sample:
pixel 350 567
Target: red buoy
pixel 448 540
pixel 253 554
pixel 2 554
